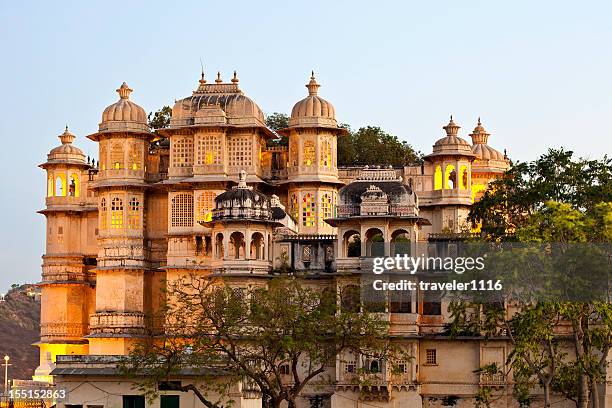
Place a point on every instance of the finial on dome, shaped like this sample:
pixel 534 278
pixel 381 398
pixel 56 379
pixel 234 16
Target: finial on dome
pixel 451 129
pixel 124 91
pixel 312 86
pixel 235 78
pixel 479 135
pixel 66 137
pixel 218 80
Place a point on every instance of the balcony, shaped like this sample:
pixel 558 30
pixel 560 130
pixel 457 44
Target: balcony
pixel 496 380
pixel 62 330
pixel 117 323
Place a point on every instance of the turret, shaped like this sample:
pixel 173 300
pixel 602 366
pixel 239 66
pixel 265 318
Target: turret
pixel 312 168
pixel 70 255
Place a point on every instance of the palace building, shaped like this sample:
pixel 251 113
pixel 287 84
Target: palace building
pixel 208 194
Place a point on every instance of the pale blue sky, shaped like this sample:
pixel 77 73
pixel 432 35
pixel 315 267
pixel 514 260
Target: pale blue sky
pixel 537 72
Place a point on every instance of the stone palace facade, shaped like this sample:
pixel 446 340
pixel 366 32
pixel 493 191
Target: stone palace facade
pixel 208 195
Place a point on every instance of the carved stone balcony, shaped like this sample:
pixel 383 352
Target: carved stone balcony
pixel 118 323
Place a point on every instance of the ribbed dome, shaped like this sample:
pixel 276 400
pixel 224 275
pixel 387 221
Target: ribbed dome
pixel 124 115
pixel 486 152
pixel 66 152
pixel 451 143
pixel 313 111
pixel 242 202
pixel 481 149
pixel 217 104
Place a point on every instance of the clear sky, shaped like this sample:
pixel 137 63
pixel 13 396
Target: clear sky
pixel 537 72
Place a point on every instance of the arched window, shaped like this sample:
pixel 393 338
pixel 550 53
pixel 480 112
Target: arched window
pixel 352 244
pixel 182 152
pixel 50 186
pixel 116 213
pixel 237 245
pixel 257 246
pixel 73 185
pixel 400 242
pixel 103 213
pixel 295 208
pixel 463 177
pixel 308 150
pixel 204 206
pixel 116 156
pixel 309 210
pixel 219 248
pixel 375 242
pixel 182 210
pixel 438 178
pixel 326 153
pixel 134 214
pixel 326 208
pixel 60 186
pixel 450 177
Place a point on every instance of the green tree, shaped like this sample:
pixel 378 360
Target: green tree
pixel 160 119
pixel 260 337
pixel 526 187
pixel 276 121
pixel 371 145
pixel 557 276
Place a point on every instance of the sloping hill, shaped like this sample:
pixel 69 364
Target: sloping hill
pixel 19 328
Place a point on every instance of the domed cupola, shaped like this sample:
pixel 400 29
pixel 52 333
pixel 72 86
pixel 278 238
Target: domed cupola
pixel 124 115
pixel 242 202
pixel 451 144
pixel 313 111
pixel 480 148
pixel 218 104
pixel 66 152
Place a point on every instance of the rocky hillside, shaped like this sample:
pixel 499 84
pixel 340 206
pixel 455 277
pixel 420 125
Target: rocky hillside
pixel 19 328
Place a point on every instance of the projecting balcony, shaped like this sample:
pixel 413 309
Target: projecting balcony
pixel 348 264
pixel 117 323
pixel 451 196
pixel 242 266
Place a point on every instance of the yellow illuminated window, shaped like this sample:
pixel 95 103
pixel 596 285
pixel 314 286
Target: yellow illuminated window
pixel 326 208
pixel 209 150
pixel 182 210
pixel 116 213
pixel 295 209
pixel 134 214
pixel 309 153
pixel 50 186
pixel 438 178
pixel 463 177
pixel 73 185
pixel 102 159
pixel 309 210
pixel 450 176
pixel 182 152
pixel 205 205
